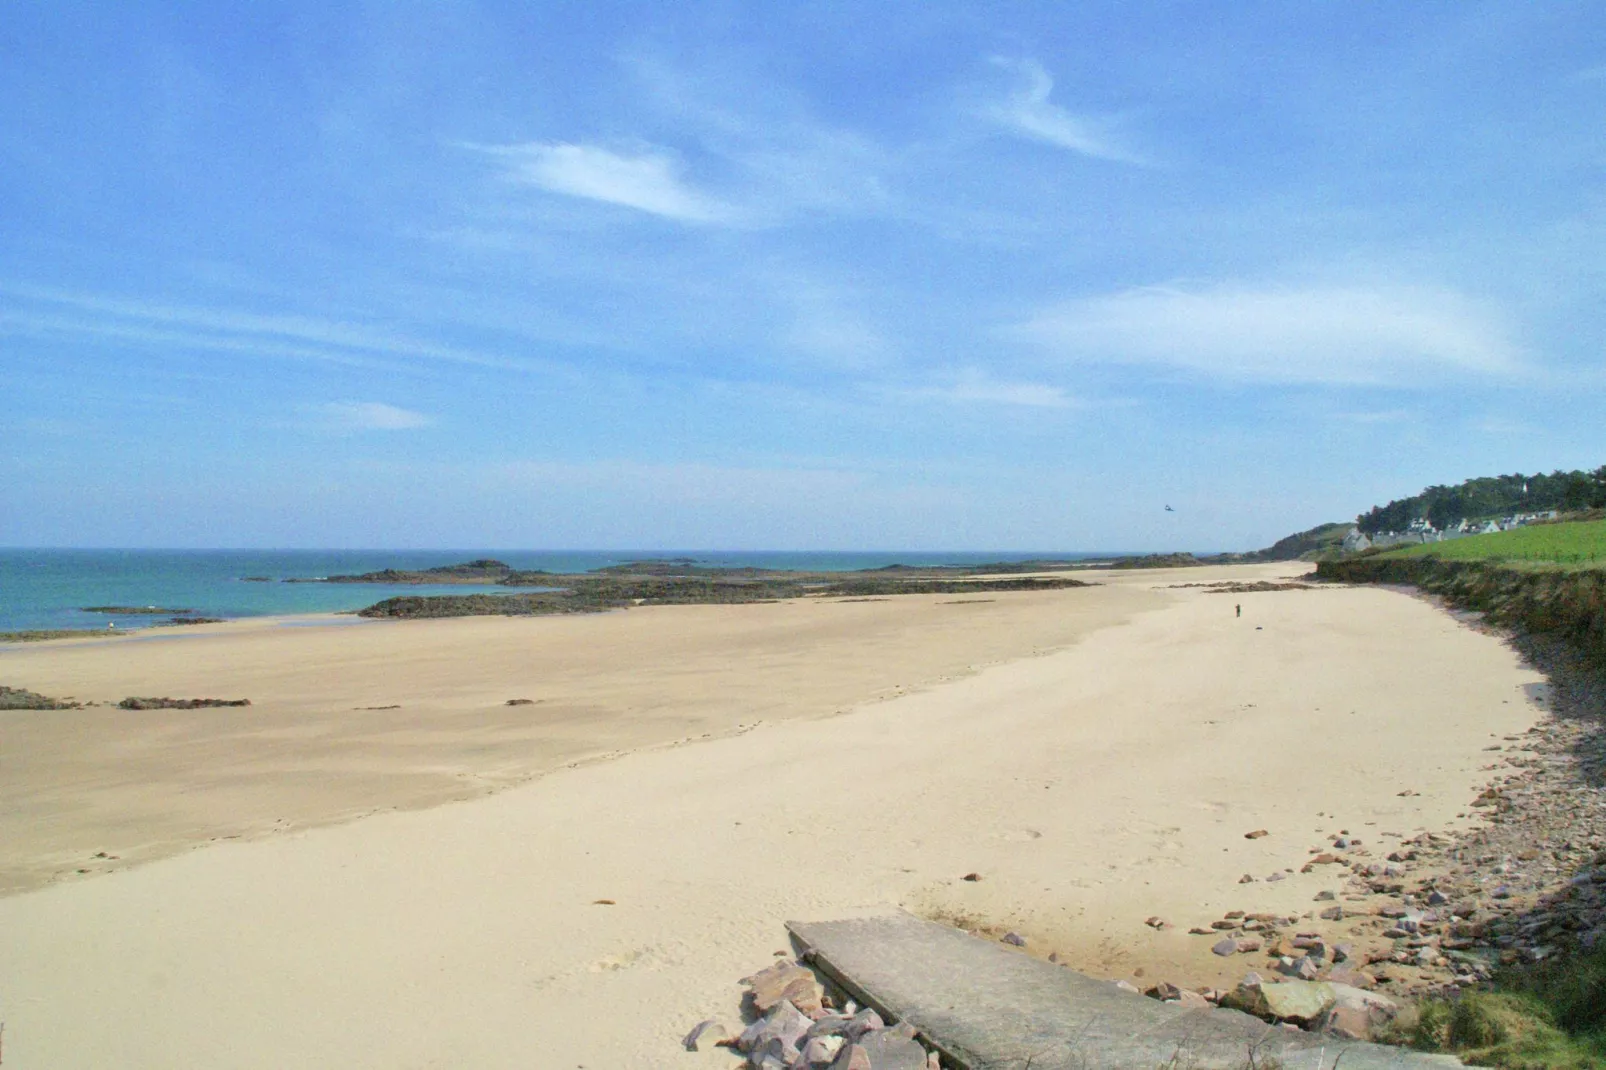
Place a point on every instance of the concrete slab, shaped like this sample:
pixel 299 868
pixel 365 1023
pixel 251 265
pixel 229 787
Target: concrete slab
pixel 989 1008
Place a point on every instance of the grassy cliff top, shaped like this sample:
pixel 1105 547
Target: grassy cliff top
pixel 1577 544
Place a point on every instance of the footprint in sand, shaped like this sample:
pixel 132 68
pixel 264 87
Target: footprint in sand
pixel 634 958
pixel 1021 835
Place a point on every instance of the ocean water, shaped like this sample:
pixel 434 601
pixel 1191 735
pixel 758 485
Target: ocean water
pixel 50 588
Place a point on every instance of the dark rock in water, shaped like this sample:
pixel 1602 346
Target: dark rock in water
pixel 480 570
pixel 137 611
pixel 133 703
pixel 256 579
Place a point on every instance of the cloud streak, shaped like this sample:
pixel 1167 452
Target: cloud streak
pixel 1353 335
pixel 1028 112
pixel 371 416
pixel 647 180
pixel 59 313
pixel 974 387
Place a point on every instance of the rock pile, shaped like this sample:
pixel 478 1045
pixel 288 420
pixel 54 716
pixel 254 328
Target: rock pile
pixel 1343 1010
pixel 797 1028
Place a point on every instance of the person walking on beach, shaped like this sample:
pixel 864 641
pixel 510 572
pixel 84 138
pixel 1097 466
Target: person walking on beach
pixel 1238 610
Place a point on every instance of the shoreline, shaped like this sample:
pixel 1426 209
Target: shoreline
pixel 1092 773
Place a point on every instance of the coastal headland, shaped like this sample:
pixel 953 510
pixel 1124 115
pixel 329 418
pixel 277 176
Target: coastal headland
pixel 625 844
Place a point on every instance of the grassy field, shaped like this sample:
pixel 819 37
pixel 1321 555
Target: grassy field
pixel 1582 543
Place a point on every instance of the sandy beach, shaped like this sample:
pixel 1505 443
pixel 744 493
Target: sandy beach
pixel 418 886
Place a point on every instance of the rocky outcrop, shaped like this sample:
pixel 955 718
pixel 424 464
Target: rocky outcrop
pixel 19 698
pixel 133 703
pixel 593 593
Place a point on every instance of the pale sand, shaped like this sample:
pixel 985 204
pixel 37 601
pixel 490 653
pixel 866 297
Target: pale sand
pixel 1091 787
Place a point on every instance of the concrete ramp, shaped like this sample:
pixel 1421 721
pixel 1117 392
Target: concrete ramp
pixel 988 1008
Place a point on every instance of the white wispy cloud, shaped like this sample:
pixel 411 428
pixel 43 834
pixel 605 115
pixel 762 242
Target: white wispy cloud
pixel 647 179
pixel 972 386
pixel 1336 334
pixel 1027 111
pixel 370 416
pixel 1381 416
pixel 47 312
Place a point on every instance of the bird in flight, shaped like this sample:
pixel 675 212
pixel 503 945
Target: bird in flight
pixel 1169 509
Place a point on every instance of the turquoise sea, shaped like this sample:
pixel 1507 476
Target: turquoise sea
pixel 50 588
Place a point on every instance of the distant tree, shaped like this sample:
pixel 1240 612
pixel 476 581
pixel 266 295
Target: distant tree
pixel 1487 497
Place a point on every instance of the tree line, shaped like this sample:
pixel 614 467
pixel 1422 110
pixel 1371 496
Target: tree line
pixel 1490 496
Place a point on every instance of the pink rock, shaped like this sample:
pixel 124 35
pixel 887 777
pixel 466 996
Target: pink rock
pixel 865 1021
pixel 786 981
pixel 784 1022
pixel 852 1057
pixel 822 1051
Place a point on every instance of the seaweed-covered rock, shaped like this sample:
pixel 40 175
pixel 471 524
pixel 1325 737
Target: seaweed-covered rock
pixel 19 698
pixel 134 703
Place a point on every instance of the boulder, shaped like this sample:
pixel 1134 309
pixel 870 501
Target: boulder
pixel 773 1054
pixel 865 1021
pixel 1295 1001
pixel 894 1049
pixel 830 1024
pixel 784 1022
pixel 821 1052
pixel 786 981
pixel 852 1057
pixel 1356 1014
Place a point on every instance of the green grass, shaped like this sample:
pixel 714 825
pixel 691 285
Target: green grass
pixel 1580 543
pixel 1548 1016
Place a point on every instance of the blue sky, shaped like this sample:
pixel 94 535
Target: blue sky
pixel 742 275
